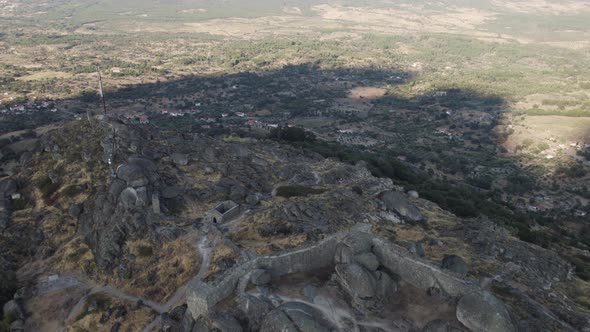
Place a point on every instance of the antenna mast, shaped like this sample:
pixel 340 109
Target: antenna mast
pixel 104 106
pixel 109 147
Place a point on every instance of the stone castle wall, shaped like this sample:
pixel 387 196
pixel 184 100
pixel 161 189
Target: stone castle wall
pixel 417 272
pixel 202 297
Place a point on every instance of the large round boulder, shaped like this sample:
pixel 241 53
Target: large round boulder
pixel 143 162
pixel 170 192
pixel 180 159
pixel 75 210
pixel 17 326
pixel 455 264
pixel 252 199
pixel 440 325
pixel 260 277
pixel 133 174
pixel 482 312
pixel 255 310
pixel 343 254
pixel 305 317
pixel 116 187
pixel 7 187
pixel 359 242
pixel 277 320
pixel 399 203
pixel 368 260
pixel 129 198
pixel 385 286
pixel 356 280
pixel 226 323
pixel 12 309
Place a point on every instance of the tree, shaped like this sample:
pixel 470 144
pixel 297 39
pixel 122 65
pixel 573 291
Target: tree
pixel 88 96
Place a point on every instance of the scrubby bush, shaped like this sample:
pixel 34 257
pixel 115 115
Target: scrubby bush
pixel 295 191
pixel 73 190
pixel 47 187
pixel 18 204
pixel 291 134
pixel 145 251
pixel 582 265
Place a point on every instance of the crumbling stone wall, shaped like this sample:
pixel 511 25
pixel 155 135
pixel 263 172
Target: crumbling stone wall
pixel 478 310
pixel 417 272
pixel 202 296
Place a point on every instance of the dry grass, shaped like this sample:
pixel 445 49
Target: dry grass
pixel 366 93
pixel 247 235
pixel 564 129
pixel 134 320
pixel 220 253
pixel 75 256
pixel 44 75
pixel 58 228
pixel 158 272
pixel 49 311
pixel 578 291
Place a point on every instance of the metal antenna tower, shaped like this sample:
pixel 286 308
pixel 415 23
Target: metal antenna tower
pixel 109 147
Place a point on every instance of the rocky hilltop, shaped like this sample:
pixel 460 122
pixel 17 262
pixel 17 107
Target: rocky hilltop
pixel 197 233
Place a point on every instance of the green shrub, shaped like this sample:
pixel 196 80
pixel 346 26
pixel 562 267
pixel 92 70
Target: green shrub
pixel 539 238
pixel 73 190
pixel 47 187
pixel 295 191
pixel 145 251
pixel 18 204
pixel 292 134
pixel 5 323
pixel 98 300
pixel 74 256
pixel 582 265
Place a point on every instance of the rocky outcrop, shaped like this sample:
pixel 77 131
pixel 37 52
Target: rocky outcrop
pixel 455 264
pixel 400 204
pixel 482 312
pixel 107 224
pixel 225 323
pixel 113 216
pixel 440 325
pixel 180 159
pixel 255 310
pixel 295 316
pixel 13 309
pixel 369 284
pixel 277 320
pixel 259 277
pixel 356 280
pixel 538 267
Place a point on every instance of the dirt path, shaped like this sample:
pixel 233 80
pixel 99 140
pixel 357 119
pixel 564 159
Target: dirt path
pixel 56 283
pixel 203 248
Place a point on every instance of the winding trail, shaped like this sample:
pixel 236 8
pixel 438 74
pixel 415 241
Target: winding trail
pixel 76 310
pixel 203 249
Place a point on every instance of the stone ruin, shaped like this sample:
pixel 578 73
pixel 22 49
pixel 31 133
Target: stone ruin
pixel 367 269
pixel 222 213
